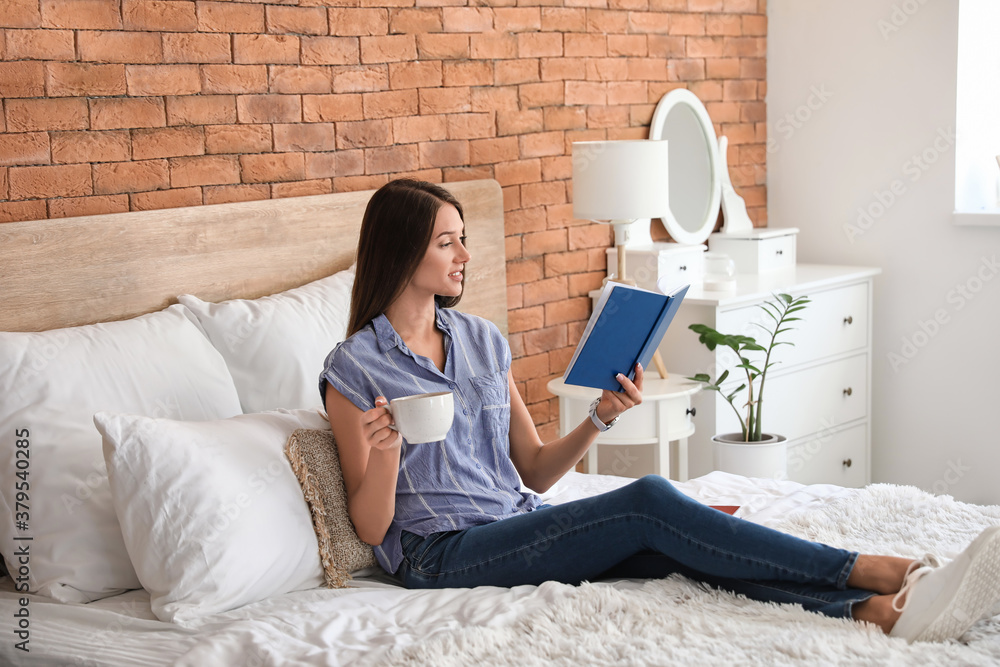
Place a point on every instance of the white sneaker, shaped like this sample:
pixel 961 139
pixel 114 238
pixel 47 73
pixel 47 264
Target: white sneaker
pixel 942 603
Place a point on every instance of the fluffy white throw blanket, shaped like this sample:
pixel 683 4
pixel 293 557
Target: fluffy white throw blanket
pixel 676 621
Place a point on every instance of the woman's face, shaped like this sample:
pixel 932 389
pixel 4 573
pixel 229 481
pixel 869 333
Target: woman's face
pixel 443 266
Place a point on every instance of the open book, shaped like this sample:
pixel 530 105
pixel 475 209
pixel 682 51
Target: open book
pixel 626 327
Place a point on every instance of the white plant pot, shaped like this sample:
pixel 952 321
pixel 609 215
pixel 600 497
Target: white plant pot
pixel 767 458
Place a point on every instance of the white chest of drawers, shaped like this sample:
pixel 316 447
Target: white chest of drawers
pixel 818 396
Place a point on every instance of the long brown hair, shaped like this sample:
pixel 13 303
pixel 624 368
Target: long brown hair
pixel 395 234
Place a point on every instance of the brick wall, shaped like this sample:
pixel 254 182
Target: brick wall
pixel 118 105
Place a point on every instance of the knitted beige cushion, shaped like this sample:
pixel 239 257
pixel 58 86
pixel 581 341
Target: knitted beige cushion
pixel 314 458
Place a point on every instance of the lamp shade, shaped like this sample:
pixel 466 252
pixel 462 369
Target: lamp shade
pixel 620 180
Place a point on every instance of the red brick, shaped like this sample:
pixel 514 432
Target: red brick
pixel 201 110
pixel 230 17
pixel 540 243
pixel 586 45
pixel 196 48
pixel 390 104
pixel 707 91
pixel 162 80
pixel 114 114
pixel 590 236
pixel 168 142
pixel 3 183
pixel 273 167
pixel 225 194
pixel 81 14
pixel 70 207
pixel 627 45
pixel 84 79
pixel 39 45
pixel 558 168
pixel 582 283
pixel 24 148
pixel 525 319
pixel 519 122
pixel 517 71
pixel 525 220
pixel 68 113
pixel 543 194
pixel 432 46
pixel 612 117
pixel 391 159
pixel 564 19
pixel 562 263
pixel 161 199
pixel 746 47
pixel 445 100
pixel 526 271
pixel 268 108
pixel 540 341
pixel 388 48
pixel 491 151
pixel 495 99
pixel 649 69
pixel 730 25
pixel 330 108
pixel 21 14
pixel 301 20
pixel 119 47
pixel 14 211
pixel 348 21
pixel 517 19
pixel 739 90
pixel 518 171
pixel 321 186
pixel 570 310
pixel 685 24
pixel 628 92
pixel 70 147
pixel 265 49
pixel 204 170
pixel 301 80
pixel 468 19
pixel 471 125
pixel 22 79
pixel 547 94
pixel 467 73
pixel 159 15
pixel 238 138
pixel 417 21
pixel 57 181
pixel 339 163
pixel 664 46
pixel 564 118
pixel 355 183
pixel 443 153
pixel 419 74
pixel 414 129
pixel 233 79
pixel 453 174
pixel 136 176
pixel 541 143
pixel 330 51
pixel 533 366
pixel 539 45
pixel 609 22
pixel 563 69
pixel 363 134
pixel 491 45
pixel 360 78
pixel 304 137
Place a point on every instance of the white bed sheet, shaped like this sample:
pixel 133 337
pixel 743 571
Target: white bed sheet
pixel 335 627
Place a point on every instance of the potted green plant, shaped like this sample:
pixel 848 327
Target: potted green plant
pixel 753 452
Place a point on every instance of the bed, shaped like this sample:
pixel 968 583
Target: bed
pixel 196 330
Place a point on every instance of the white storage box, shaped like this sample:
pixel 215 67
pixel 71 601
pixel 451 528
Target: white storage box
pixel 758 251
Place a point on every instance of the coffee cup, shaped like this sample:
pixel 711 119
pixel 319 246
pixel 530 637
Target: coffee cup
pixel 423 417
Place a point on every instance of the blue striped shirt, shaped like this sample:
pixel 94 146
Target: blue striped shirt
pixel 468 478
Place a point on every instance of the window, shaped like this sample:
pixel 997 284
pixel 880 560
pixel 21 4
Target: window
pixel 977 165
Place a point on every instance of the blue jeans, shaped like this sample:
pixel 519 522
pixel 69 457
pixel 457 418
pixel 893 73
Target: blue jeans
pixel 647 529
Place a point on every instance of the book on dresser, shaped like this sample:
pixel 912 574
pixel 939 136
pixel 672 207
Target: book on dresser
pixel 625 328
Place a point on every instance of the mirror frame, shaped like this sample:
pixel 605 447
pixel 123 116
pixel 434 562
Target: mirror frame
pixel 657 130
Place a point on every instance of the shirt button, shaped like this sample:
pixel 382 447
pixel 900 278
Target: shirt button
pixel 451 385
pixel 465 412
pixel 479 467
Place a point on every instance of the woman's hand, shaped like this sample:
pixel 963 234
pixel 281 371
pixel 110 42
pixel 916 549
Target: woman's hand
pixel 613 403
pixel 375 427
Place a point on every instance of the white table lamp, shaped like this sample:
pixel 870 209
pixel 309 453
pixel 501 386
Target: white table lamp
pixel 618 182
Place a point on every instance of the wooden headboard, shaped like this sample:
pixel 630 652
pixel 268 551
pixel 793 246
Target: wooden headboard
pixel 72 271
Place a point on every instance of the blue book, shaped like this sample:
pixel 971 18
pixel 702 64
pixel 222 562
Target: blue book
pixel 626 327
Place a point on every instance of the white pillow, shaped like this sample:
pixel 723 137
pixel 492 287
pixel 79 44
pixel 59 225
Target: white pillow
pixel 52 383
pixel 275 346
pixel 212 513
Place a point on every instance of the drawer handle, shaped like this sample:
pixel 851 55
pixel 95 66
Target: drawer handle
pixel 691 411
pixel 848 391
pixel 848 463
pixel 779 252
pixel 682 267
pixel 849 320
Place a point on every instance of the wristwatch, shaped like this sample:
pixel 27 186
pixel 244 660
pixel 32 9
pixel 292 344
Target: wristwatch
pixel 601 426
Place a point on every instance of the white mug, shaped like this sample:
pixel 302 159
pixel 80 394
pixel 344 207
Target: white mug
pixel 423 417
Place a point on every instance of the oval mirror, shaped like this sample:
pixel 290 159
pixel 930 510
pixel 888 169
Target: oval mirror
pixel 694 182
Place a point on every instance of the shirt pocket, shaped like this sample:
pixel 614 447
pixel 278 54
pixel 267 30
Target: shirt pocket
pixel 493 390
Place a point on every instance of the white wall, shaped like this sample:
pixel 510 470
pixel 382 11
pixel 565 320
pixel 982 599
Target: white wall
pixel 861 107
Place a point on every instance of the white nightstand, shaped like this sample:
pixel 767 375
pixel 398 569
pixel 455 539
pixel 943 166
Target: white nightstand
pixel 663 416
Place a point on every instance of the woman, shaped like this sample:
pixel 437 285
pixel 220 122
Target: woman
pixel 451 514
